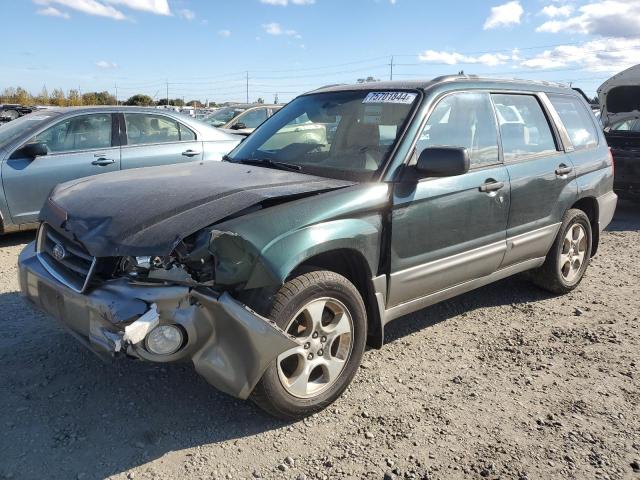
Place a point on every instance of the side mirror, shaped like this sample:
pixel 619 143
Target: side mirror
pixel 36 149
pixel 238 126
pixel 443 162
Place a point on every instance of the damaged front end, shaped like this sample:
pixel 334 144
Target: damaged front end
pixel 161 308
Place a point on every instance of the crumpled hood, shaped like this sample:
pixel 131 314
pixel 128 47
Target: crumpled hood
pixel 149 211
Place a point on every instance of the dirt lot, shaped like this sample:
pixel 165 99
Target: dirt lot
pixel 505 382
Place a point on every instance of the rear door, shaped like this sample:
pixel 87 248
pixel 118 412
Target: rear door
pixel 542 176
pixel 155 139
pixel 585 145
pixel 447 231
pixel 79 146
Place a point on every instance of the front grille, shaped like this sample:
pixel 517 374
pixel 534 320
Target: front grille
pixel 67 261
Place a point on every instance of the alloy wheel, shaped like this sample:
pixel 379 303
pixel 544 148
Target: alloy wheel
pixel 573 253
pixel 323 329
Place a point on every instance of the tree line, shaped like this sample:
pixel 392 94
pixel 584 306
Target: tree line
pixel 74 98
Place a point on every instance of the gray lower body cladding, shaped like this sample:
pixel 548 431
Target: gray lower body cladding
pixel 229 345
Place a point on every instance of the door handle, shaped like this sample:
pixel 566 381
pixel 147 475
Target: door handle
pixel 563 170
pixel 491 186
pixel 102 162
pixel 190 153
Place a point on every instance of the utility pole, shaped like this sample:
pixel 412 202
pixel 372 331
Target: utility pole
pixel 247 87
pixel 167 93
pixel 391 73
pixel 117 101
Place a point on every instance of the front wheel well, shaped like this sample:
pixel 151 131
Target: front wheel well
pixel 589 205
pixel 352 265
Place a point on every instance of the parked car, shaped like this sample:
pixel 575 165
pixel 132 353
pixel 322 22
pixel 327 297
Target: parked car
pixel 271 270
pixel 9 112
pixel 241 119
pixel 52 146
pixel 620 100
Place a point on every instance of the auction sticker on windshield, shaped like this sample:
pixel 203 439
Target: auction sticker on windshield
pixel 390 97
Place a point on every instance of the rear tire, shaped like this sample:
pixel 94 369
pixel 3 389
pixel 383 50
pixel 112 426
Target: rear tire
pixel 569 256
pixel 326 313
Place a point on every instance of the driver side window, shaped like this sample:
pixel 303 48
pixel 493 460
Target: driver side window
pixel 84 132
pixel 253 119
pixel 463 120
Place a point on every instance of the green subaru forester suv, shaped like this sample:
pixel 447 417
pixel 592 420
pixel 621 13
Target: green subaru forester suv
pixel 271 270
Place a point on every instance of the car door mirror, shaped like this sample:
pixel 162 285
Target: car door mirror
pixel 35 149
pixel 238 126
pixel 443 162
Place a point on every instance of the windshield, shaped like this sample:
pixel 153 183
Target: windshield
pixel 222 116
pixel 344 135
pixel 16 128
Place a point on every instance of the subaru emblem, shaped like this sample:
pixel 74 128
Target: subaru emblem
pixel 59 253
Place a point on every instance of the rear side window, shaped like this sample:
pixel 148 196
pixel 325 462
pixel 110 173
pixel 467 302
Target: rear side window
pixel 524 127
pixel 143 129
pixel 463 120
pixel 577 120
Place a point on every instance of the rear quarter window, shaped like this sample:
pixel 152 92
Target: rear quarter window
pixel 577 120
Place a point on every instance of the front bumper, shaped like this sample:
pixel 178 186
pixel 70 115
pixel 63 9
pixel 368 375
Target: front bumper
pixel 229 345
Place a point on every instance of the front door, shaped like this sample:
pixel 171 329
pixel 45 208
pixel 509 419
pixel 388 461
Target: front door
pixel 446 231
pixel 154 139
pixel 79 146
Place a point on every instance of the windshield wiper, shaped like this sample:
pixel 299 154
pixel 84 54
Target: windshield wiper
pixel 271 163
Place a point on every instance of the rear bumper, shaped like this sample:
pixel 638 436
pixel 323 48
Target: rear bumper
pixel 229 345
pixel 606 208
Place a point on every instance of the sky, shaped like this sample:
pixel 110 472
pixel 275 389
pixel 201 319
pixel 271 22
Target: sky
pixel 206 49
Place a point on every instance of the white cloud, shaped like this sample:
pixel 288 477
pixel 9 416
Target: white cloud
pixel 159 7
pixel 284 3
pixel 53 12
pixel 90 7
pixel 275 28
pixel 105 8
pixel 455 58
pixel 552 11
pixel 604 55
pixel 224 33
pixel 608 18
pixel 106 65
pixel 187 14
pixel 504 15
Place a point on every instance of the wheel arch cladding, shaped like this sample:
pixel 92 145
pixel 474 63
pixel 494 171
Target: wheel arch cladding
pixel 589 205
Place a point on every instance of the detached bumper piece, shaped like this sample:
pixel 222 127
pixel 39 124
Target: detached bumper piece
pixel 229 344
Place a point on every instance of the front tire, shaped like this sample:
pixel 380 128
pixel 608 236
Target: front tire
pixel 569 256
pixel 326 314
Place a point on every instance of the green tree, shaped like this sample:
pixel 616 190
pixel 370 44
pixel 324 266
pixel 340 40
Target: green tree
pixel 22 96
pixel 74 99
pixel 43 97
pixel 8 95
pixel 58 98
pixel 89 98
pixel 139 100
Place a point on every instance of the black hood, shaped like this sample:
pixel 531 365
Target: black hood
pixel 149 211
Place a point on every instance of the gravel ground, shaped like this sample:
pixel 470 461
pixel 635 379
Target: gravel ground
pixel 504 382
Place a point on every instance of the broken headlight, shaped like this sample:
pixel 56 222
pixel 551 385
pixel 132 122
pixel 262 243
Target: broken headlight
pixel 140 266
